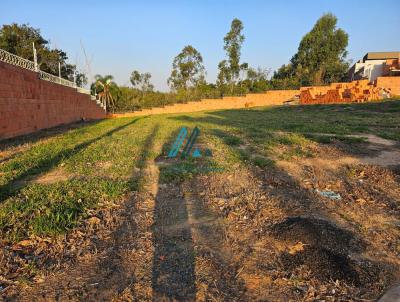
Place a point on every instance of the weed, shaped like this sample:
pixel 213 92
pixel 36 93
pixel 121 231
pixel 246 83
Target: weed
pixel 232 141
pixel 185 170
pixel 296 151
pixel 262 162
pixel 327 139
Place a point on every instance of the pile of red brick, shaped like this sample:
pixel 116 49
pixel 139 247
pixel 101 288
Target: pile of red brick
pixel 391 66
pixel 352 92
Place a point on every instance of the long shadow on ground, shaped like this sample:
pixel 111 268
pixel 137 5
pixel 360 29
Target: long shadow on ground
pixel 18 143
pixel 186 234
pixel 173 263
pixel 173 276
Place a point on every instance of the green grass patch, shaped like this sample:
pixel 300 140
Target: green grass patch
pixel 292 139
pixel 44 210
pixel 393 135
pixel 295 152
pixel 327 139
pixel 244 155
pixel 262 162
pixel 232 141
pixel 187 169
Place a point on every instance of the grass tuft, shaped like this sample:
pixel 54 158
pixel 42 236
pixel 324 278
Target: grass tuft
pixel 232 141
pixel 262 162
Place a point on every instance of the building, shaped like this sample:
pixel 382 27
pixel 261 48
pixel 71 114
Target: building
pixel 376 64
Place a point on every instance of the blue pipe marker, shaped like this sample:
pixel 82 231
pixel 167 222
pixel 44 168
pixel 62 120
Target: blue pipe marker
pixel 178 143
pixel 190 142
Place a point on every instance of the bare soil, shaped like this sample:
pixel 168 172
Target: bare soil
pixel 53 176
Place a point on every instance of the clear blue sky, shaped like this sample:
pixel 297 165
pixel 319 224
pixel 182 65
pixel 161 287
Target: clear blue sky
pixel 121 36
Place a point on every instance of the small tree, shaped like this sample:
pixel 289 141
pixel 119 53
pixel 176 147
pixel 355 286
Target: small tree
pixel 229 70
pixel 80 79
pixel 257 79
pixel 141 81
pixel 107 91
pixel 224 76
pixel 187 69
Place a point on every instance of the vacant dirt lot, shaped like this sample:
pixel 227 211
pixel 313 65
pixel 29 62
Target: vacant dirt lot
pixel 294 204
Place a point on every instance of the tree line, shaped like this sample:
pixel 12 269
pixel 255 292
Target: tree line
pixel 319 60
pixel 18 39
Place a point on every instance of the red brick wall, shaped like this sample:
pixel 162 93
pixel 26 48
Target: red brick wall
pixel 28 104
pixel 392 83
pixel 269 98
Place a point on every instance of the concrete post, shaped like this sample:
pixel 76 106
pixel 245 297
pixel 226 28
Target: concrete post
pixel 35 57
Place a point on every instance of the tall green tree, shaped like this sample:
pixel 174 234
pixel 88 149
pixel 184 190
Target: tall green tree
pixel 321 56
pixel 187 69
pixel 17 39
pixel 141 81
pixel 229 70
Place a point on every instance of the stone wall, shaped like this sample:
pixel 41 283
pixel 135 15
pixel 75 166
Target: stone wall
pixel 28 104
pixel 272 97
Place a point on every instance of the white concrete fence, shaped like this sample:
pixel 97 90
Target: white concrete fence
pixel 15 60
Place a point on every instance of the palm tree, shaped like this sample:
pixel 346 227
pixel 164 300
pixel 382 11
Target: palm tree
pixel 107 90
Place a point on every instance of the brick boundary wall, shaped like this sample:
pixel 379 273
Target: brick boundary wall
pixel 278 97
pixel 272 97
pixel 28 104
pixel 391 83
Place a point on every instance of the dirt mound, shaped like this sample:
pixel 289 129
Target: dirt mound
pixel 328 265
pixel 324 264
pixel 325 250
pixel 317 232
